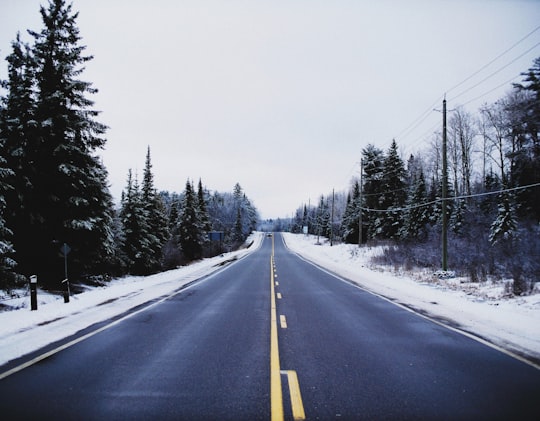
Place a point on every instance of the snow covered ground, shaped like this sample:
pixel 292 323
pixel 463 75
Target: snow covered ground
pixel 23 331
pixel 482 309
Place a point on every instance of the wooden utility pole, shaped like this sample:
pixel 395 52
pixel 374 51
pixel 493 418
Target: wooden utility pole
pixel 360 208
pixel 332 221
pixel 444 194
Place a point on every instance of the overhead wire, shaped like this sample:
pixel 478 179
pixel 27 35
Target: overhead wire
pixel 426 114
pixel 439 200
pixel 494 73
pixel 505 83
pixel 494 60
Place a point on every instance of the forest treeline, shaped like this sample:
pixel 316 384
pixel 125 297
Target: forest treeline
pixel 493 186
pixel 54 193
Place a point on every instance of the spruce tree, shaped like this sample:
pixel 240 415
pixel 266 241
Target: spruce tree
pixel 416 217
pixel 504 228
pixel 373 159
pixel 324 226
pixel 190 231
pixel 66 198
pixel 238 230
pixel 351 216
pixel 393 193
pixel 17 138
pixel 7 264
pixel 137 245
pixel 172 256
pixel 525 118
pixel 202 209
pixel 156 217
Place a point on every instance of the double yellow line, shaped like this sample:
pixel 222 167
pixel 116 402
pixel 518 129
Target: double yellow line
pixel 276 394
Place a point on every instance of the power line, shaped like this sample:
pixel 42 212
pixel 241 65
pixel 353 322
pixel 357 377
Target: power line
pixel 423 116
pixel 491 90
pixel 468 196
pixel 494 60
pixel 405 132
pixel 495 72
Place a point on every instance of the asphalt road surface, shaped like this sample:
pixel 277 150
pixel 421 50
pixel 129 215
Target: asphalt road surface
pixel 273 337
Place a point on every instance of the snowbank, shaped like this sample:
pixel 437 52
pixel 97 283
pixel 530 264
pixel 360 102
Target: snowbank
pixel 23 331
pixel 482 309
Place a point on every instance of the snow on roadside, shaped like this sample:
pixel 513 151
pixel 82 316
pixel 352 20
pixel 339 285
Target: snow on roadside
pixel 23 331
pixel 481 309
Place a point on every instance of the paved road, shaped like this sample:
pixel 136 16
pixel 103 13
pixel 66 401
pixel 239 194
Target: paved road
pixel 213 352
pixel 202 354
pixel 361 357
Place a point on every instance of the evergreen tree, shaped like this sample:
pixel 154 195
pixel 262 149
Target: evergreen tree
pixel 457 216
pixel 416 217
pixel 65 197
pixel 488 204
pixel 155 214
pixel 351 216
pixel 202 209
pixel 238 230
pixel 7 264
pixel 138 243
pixel 436 195
pixel 505 226
pixel 246 216
pixel 524 115
pixel 393 193
pixel 190 231
pixel 372 159
pixel 172 256
pixel 17 134
pixel 323 218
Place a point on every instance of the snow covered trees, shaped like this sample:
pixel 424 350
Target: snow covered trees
pixel 7 263
pixel 492 201
pixel 191 233
pixel 51 135
pixel 53 185
pixel 163 231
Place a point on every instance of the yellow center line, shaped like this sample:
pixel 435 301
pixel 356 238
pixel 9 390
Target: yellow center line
pixel 276 396
pixel 276 392
pixel 296 396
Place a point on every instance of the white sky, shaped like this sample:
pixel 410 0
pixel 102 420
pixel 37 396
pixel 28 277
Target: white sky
pixel 281 96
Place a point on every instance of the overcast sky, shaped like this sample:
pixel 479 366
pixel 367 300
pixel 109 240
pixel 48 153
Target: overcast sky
pixel 282 95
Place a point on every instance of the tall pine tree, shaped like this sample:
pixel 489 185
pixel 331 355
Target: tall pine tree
pixel 190 230
pixel 7 263
pixel 373 159
pixel 156 217
pixel 138 240
pixel 204 218
pixel 18 131
pixel 393 193
pixel 351 216
pixel 65 197
pixel 416 217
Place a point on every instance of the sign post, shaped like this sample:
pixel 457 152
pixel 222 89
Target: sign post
pixel 33 292
pixel 65 249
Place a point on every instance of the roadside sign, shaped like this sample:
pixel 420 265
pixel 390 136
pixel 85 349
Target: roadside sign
pixel 65 249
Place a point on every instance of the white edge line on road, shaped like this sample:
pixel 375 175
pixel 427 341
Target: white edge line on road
pixel 60 348
pixel 411 310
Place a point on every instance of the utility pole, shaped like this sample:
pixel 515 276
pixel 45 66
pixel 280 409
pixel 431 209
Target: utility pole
pixel 360 208
pixel 444 194
pixel 332 221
